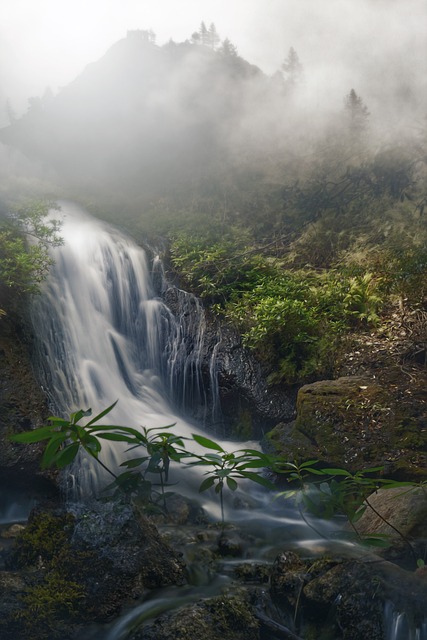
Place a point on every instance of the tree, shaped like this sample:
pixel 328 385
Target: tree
pixel 228 49
pixel 293 69
pixel 25 237
pixel 213 37
pixel 357 114
pixel 204 34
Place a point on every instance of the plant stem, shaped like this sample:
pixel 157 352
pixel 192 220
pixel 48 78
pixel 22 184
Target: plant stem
pixel 402 535
pixel 221 500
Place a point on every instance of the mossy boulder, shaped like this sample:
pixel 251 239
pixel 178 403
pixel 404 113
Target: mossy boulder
pixel 229 616
pixel 356 423
pixel 85 566
pixel 342 598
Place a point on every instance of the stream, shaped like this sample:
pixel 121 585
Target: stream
pixel 104 334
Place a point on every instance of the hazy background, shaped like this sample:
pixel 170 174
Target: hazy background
pixel 366 44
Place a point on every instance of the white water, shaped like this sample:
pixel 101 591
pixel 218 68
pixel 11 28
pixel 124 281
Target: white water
pixel 105 336
pixel 398 626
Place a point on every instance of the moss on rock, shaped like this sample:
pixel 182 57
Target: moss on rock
pixel 355 423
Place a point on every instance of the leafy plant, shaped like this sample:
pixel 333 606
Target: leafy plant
pixel 362 300
pixel 339 492
pixel 227 468
pixel 25 237
pixel 162 447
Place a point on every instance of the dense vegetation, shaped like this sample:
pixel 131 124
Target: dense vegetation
pixel 25 236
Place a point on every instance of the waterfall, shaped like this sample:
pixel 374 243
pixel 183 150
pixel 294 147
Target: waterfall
pixel 103 334
pixel 400 626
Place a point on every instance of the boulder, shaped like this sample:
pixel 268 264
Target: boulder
pixel 354 423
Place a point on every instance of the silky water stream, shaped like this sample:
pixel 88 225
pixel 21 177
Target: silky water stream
pixel 104 334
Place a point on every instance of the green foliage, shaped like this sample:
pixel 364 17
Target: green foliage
pixel 25 237
pixel 67 437
pixel 217 268
pixel 227 468
pixel 333 491
pixel 162 447
pixel 289 317
pixel 54 593
pixel 339 492
pixel 55 598
pixel 362 300
pixel 42 539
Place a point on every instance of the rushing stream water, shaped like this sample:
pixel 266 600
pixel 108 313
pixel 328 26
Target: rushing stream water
pixel 105 334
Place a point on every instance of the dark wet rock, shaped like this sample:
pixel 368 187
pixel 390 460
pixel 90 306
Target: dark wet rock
pixel 126 539
pixel 247 401
pixel 231 544
pixel 342 598
pixel 248 405
pixel 229 616
pixel 180 510
pixel 85 566
pixel 253 573
pixel 357 593
pixel 352 422
pixel 12 587
pixel 23 405
pixel 287 578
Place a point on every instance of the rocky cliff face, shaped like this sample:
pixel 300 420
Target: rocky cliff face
pixel 23 405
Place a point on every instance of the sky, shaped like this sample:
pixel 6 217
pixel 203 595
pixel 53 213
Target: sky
pixel 47 43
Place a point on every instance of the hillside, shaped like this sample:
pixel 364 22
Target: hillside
pixel 301 226
pixel 143 117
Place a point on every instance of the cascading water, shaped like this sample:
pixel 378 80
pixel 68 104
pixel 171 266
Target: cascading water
pixel 399 626
pixel 103 335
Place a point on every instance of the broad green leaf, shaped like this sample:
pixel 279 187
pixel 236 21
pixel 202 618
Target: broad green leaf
pixel 372 470
pixel 286 494
pixel 116 437
pixel 91 444
pixel 168 426
pixel 205 442
pixel 78 415
pixel 59 422
pixel 253 464
pixel 33 436
pixel 255 477
pixel 337 472
pixel 374 541
pixel 358 514
pixel 135 462
pixel 213 457
pixel 308 463
pixel 102 414
pixel 232 484
pixel 67 455
pixel 206 484
pixel 222 473
pixel 52 449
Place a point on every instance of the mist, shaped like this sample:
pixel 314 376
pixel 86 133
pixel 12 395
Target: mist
pixel 123 99
pixel 341 42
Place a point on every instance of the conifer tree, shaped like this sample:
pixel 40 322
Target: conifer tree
pixel 292 69
pixel 213 37
pixel 357 114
